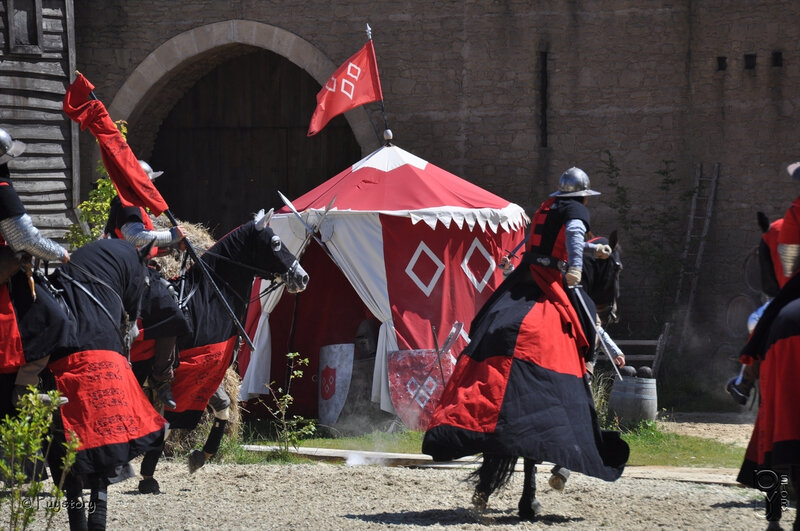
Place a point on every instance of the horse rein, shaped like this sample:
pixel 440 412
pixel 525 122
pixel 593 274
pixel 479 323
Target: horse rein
pixel 183 301
pixel 125 317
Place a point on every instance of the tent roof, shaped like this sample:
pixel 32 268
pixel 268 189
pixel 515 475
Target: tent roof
pixel 395 182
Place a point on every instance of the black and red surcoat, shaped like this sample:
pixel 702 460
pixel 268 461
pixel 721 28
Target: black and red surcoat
pixel 28 329
pixel 519 387
pixel 775 442
pixel 160 314
pixel 107 408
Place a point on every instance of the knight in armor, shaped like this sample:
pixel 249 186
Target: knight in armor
pixel 772 353
pixel 779 260
pixel 26 337
pixel 154 354
pixel 520 386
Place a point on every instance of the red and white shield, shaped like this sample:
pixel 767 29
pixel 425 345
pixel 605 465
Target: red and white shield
pixel 327 383
pixel 416 383
pixel 335 371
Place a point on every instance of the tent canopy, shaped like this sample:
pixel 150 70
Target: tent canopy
pixel 394 182
pixel 408 275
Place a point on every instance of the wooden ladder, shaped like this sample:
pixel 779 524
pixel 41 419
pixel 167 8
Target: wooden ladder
pixel 702 210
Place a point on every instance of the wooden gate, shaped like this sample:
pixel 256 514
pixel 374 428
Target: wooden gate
pixel 239 134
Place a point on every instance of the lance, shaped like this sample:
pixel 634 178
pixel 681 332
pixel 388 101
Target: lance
pixel 204 268
pixel 190 249
pixel 600 332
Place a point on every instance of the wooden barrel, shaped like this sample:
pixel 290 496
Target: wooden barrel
pixel 633 400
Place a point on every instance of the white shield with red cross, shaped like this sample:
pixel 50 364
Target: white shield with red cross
pixel 335 370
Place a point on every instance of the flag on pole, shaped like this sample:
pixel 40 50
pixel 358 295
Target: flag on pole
pixel 354 83
pixel 132 183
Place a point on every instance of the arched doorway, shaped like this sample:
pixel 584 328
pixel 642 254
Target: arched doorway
pixel 239 134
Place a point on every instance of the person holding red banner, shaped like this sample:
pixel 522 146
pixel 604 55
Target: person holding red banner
pixel 354 83
pixel 162 318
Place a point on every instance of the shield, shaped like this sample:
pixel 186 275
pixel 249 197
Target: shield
pixel 416 384
pixel 335 371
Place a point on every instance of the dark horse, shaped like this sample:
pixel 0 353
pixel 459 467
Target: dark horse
pixel 101 288
pixel 206 351
pixel 565 410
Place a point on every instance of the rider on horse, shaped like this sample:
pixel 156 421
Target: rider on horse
pixel 165 321
pixel 519 388
pixel 26 340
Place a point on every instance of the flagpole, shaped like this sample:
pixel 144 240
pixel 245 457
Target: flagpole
pixel 383 107
pixel 190 249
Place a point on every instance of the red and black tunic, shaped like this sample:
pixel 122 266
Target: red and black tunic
pixel 28 329
pixel 107 408
pixel 518 388
pixel 775 442
pixel 772 277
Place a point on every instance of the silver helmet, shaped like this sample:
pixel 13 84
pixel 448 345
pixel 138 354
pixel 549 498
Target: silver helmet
pixel 149 170
pixel 574 183
pixel 9 148
pixel 794 170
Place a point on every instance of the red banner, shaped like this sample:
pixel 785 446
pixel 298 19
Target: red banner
pixel 132 183
pixel 354 83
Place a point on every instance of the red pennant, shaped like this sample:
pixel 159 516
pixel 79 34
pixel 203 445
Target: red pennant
pixel 354 83
pixel 132 183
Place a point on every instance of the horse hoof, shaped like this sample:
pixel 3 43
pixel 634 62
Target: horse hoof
pixel 149 486
pixel 480 500
pixel 196 459
pixel 557 482
pixel 530 512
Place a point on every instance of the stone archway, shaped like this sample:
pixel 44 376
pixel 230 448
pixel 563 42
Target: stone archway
pixel 189 53
pixel 220 190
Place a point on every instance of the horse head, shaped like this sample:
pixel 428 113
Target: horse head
pixel 276 257
pixel 601 279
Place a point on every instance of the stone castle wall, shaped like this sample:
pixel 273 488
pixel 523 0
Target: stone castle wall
pixel 510 93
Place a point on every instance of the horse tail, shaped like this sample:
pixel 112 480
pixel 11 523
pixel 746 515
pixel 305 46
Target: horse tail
pixel 495 472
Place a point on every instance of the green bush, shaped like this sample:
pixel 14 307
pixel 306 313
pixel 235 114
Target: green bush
pixel 22 438
pixel 93 213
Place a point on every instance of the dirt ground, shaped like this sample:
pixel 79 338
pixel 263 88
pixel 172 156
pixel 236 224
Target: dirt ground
pixel 333 496
pixel 733 428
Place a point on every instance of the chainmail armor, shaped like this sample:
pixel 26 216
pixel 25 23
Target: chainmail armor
pixel 790 257
pixel 135 233
pixel 21 235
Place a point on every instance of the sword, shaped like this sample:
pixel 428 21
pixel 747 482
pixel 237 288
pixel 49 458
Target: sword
pixel 455 331
pixel 513 252
pixel 597 331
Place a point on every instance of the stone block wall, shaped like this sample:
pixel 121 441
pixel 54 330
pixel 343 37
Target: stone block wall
pixel 510 93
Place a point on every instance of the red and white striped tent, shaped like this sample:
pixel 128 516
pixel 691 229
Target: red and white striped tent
pixel 414 246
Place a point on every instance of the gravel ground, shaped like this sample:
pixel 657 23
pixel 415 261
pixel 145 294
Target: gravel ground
pixel 327 496
pixel 331 496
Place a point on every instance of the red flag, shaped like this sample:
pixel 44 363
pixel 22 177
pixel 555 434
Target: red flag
pixel 132 183
pixel 354 83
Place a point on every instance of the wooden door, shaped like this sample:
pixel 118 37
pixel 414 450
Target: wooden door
pixel 239 135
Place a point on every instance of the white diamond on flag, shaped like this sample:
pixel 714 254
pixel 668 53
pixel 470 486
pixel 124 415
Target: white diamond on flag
pixel 426 288
pixel 479 284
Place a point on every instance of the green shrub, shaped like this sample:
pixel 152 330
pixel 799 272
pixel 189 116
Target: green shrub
pixel 93 213
pixel 21 440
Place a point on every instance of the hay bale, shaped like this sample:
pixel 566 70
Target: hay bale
pixel 183 441
pixel 197 234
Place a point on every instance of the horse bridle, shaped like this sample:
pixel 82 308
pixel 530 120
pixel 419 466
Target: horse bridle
pixel 274 284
